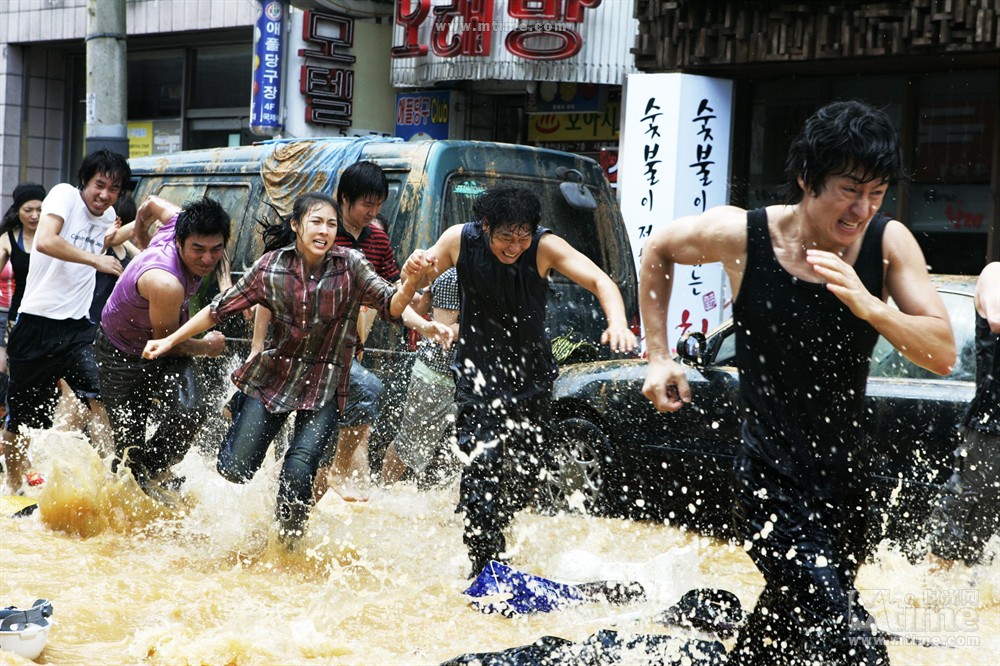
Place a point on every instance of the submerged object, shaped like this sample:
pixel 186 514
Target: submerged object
pixel 501 589
pixel 25 631
pixel 17 506
pixel 711 610
pixel 605 647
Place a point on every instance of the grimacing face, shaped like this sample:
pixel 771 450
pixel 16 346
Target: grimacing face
pixel 844 207
pixel 201 253
pixel 316 231
pixel 100 193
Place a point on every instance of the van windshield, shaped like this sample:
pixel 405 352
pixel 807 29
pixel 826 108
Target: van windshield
pixel 578 227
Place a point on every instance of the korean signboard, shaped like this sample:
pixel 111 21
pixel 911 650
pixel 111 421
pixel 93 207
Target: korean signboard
pixel 529 40
pixel 265 102
pixel 674 162
pixel 327 78
pixel 426 114
pixel 550 127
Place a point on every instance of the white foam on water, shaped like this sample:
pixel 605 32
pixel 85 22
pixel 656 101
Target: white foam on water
pixel 373 582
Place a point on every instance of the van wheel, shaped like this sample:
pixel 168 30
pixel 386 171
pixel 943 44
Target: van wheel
pixel 579 468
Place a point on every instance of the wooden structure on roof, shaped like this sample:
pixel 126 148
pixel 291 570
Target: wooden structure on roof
pixel 699 34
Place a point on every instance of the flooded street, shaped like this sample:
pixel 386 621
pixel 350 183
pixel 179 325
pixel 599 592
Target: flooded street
pixel 379 582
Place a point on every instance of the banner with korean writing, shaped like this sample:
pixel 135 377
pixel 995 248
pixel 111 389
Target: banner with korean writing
pixel 674 161
pixel 265 101
pixel 423 114
pixel 582 41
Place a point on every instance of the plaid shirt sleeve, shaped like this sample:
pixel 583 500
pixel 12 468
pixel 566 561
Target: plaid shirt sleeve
pixel 244 294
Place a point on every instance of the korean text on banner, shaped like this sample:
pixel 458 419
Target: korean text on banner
pixel 674 161
pixel 265 100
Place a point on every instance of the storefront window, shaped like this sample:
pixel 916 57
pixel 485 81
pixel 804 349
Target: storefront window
pixel 947 136
pixel 953 157
pixel 221 77
pixel 155 85
pixel 782 107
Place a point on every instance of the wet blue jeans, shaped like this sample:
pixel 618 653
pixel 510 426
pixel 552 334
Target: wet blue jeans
pixel 246 443
pixel 364 403
pixel 364 397
pixel 136 391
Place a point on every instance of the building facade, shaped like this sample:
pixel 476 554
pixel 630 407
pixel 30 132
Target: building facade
pixel 933 65
pixel 521 71
pixel 190 73
pixel 546 73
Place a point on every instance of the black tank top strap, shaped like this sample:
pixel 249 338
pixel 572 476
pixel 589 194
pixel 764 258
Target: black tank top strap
pixel 759 252
pixel 869 265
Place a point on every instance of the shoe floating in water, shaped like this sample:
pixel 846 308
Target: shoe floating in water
pixel 24 632
pixel 714 611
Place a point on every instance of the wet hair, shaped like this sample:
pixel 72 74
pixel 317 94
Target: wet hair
pixel 281 234
pixel 125 208
pixel 840 139
pixel 360 181
pixel 202 217
pixel 508 207
pixel 113 165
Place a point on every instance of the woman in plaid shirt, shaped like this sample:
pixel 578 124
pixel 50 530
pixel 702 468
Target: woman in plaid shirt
pixel 313 289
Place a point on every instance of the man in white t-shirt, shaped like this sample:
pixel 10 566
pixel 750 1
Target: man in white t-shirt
pixel 53 337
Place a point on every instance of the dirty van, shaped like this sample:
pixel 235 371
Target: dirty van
pixel 432 185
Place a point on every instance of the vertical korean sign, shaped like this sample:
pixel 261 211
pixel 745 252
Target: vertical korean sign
pixel 674 162
pixel 265 100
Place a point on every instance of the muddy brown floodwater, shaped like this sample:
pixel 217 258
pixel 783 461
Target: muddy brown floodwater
pixel 379 582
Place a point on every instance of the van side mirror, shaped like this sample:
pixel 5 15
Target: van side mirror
pixel 691 347
pixel 575 193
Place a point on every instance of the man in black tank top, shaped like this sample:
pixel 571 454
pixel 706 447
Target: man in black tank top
pixel 503 365
pixel 969 511
pixel 811 279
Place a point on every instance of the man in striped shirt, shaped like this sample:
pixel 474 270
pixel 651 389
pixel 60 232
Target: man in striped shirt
pixel 362 190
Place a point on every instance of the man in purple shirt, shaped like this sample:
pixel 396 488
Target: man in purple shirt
pixel 150 301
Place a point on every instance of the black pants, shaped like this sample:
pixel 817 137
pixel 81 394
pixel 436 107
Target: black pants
pixel 40 352
pixel 506 444
pixel 968 513
pixel 136 390
pixel 809 554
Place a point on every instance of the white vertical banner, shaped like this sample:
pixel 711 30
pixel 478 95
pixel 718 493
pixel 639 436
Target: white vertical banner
pixel 674 161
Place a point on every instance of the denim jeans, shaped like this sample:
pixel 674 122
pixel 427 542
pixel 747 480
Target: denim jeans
pixel 364 403
pixel 246 443
pixel 364 396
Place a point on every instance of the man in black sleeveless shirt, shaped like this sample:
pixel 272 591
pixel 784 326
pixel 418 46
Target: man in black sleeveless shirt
pixel 503 365
pixel 969 511
pixel 811 280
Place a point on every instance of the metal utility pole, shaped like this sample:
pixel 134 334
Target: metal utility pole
pixel 107 125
